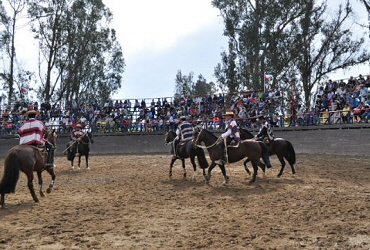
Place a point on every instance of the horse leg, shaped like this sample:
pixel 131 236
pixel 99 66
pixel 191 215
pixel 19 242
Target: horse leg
pixel 79 163
pixel 51 185
pixel 3 201
pixel 192 160
pixel 30 186
pixel 245 166
pixel 87 161
pixel 171 165
pixel 208 177
pixel 281 159
pixel 223 170
pixel 255 171
pixel 39 175
pixel 183 167
pixel 73 167
pixel 293 169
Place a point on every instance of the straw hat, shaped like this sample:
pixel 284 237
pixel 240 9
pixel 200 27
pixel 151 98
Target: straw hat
pixel 32 112
pixel 229 113
pixel 78 125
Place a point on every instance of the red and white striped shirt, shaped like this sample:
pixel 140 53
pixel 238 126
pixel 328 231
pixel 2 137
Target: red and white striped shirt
pixel 32 132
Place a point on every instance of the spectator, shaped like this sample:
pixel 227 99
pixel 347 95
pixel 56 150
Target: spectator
pixel 346 113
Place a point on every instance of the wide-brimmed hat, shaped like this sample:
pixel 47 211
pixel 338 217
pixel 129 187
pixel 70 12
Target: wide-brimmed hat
pixel 229 113
pixel 78 125
pixel 183 118
pixel 261 117
pixel 32 112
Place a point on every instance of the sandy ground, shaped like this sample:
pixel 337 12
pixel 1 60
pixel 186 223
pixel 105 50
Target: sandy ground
pixel 129 202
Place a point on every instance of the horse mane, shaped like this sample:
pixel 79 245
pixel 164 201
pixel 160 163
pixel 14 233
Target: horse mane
pixel 209 132
pixel 246 132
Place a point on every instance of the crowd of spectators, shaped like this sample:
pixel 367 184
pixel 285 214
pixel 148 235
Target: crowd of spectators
pixel 336 101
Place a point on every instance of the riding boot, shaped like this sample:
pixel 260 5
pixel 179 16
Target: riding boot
pixel 175 144
pixel 50 160
pixel 223 160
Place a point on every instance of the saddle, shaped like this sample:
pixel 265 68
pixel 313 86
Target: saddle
pixel 233 144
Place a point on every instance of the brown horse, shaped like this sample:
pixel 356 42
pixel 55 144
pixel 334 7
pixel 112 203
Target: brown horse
pixel 280 147
pixel 83 147
pixel 186 150
pixel 246 149
pixel 26 158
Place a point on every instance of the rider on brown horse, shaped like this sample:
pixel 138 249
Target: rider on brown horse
pixel 265 133
pixel 32 133
pixel 184 133
pixel 76 136
pixel 232 133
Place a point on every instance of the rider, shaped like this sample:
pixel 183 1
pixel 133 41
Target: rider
pixel 184 133
pixel 32 132
pixel 265 130
pixel 232 133
pixel 77 135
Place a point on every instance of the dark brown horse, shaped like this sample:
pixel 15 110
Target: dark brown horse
pixel 279 147
pixel 26 158
pixel 83 149
pixel 246 149
pixel 186 150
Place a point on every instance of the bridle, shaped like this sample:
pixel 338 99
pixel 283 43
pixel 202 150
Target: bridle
pixel 201 146
pixel 165 141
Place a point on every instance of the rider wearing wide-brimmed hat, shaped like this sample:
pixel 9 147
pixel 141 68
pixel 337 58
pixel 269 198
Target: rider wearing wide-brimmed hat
pixel 32 132
pixel 77 134
pixel 265 130
pixel 184 132
pixel 232 132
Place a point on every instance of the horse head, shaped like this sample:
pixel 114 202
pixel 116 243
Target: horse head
pixel 90 136
pixel 196 135
pixel 51 136
pixel 169 137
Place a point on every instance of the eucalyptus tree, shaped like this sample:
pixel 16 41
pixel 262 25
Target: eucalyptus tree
pixel 203 88
pixel 10 73
pixel 80 57
pixel 184 84
pixel 325 43
pixel 296 42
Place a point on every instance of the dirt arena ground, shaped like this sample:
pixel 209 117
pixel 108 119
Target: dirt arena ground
pixel 129 202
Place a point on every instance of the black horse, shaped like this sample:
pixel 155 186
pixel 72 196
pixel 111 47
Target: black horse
pixel 26 158
pixel 245 149
pixel 282 148
pixel 186 150
pixel 83 149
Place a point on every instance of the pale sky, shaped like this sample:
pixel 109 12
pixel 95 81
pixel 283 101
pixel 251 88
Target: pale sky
pixel 160 37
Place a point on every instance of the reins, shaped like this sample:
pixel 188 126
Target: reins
pixel 69 146
pixel 168 143
pixel 201 146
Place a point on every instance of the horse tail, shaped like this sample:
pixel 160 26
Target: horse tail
pixel 11 174
pixel 265 154
pixel 201 158
pixel 290 153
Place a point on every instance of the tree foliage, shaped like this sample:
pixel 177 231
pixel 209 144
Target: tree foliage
pixel 80 56
pixel 297 42
pixel 185 85
pixel 14 78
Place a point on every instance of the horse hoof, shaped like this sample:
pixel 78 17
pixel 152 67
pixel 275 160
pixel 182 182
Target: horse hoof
pixel 48 190
pixel 88 168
